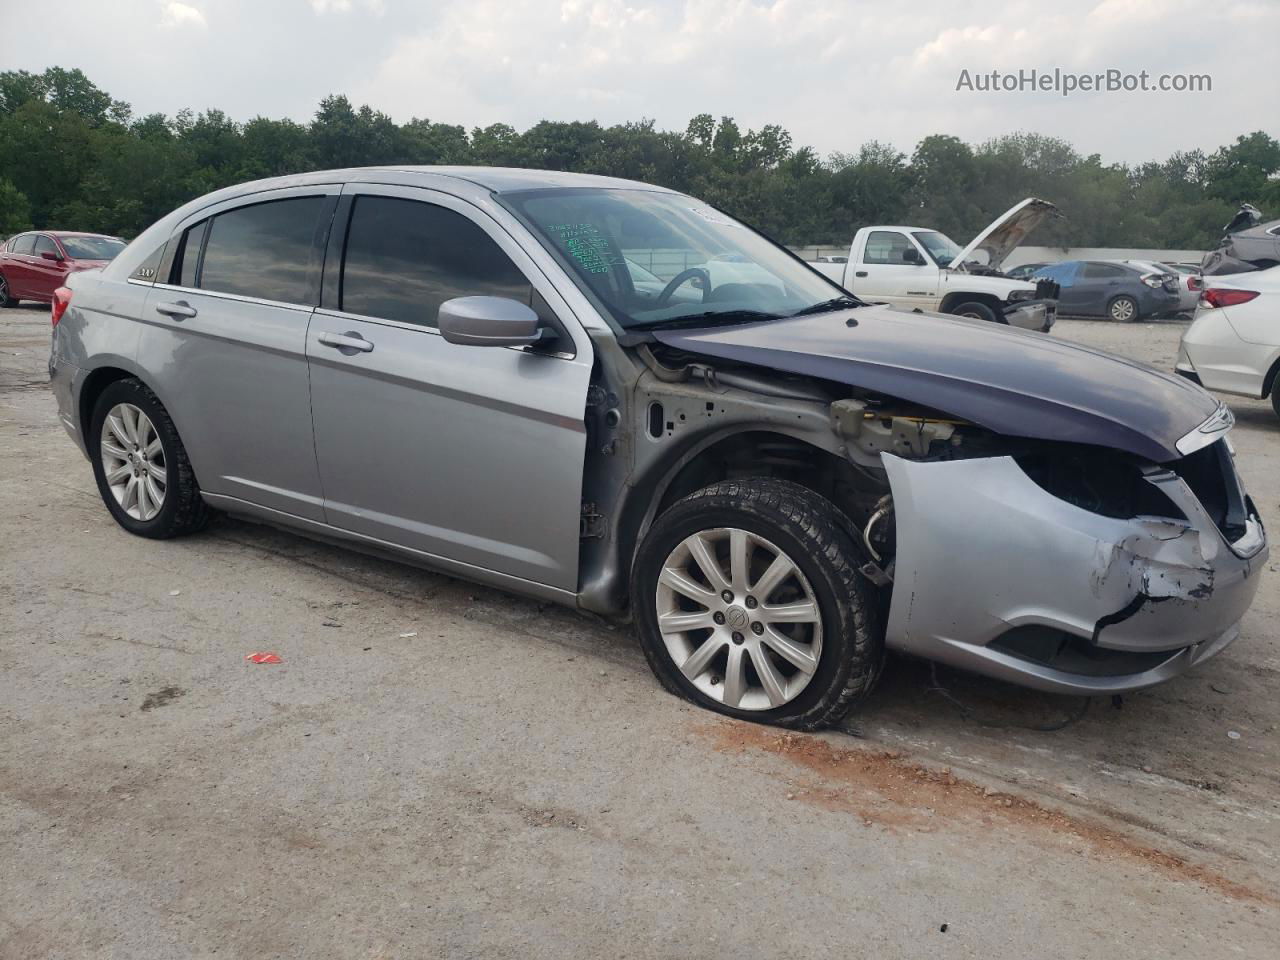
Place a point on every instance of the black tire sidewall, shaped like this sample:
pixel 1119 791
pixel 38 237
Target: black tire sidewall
pixel 984 312
pixel 130 391
pixel 837 632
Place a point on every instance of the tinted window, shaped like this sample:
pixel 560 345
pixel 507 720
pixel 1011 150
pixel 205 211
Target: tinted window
pixel 25 244
pixel 92 248
pixel 404 258
pixel 1104 271
pixel 263 250
pixel 885 246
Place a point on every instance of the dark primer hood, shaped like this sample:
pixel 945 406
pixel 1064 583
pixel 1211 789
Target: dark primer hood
pixel 1011 381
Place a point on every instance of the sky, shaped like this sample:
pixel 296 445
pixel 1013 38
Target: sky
pixel 835 73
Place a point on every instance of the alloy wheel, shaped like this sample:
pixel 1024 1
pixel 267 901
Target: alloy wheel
pixel 739 619
pixel 133 461
pixel 1122 310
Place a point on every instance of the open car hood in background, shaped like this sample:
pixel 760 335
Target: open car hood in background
pixel 1011 381
pixel 1004 234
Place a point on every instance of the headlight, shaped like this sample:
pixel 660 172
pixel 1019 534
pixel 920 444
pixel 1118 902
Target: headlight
pixel 1021 295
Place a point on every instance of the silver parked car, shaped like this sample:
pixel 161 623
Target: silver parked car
pixel 459 367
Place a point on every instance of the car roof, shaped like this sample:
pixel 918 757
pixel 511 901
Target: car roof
pixel 511 179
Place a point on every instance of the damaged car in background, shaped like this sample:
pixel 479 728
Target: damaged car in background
pixel 774 481
pixel 1249 244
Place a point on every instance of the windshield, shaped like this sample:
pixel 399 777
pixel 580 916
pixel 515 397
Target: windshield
pixel 939 246
pixel 92 248
pixel 654 259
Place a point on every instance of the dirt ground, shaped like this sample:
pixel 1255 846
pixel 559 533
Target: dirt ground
pixel 441 770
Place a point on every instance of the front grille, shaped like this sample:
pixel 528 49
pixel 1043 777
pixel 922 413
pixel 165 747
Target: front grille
pixel 1211 474
pixel 1047 289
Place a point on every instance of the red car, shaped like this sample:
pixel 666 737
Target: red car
pixel 33 265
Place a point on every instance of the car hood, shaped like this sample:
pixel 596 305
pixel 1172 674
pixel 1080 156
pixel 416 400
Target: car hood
pixel 1004 233
pixel 1011 381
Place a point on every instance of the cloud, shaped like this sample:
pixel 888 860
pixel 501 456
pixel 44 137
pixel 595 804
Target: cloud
pixel 174 14
pixel 376 7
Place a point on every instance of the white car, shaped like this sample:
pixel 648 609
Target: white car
pixel 1233 346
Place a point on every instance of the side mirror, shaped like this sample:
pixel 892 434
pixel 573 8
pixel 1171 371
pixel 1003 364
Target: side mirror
pixel 911 255
pixel 51 255
pixel 488 322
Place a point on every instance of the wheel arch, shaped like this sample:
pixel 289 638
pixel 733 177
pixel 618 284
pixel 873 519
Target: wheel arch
pixel 1269 381
pixel 955 298
pixel 724 456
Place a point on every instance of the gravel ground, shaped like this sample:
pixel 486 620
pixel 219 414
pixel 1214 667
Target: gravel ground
pixel 438 769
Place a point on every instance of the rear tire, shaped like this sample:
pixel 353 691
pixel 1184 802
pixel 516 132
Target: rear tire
pixel 1275 398
pixel 1123 310
pixel 976 311
pixel 797 649
pixel 5 299
pixel 142 469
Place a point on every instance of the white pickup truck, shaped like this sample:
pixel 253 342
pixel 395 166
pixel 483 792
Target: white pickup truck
pixel 919 268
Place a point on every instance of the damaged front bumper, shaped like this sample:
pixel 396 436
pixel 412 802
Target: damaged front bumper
pixel 997 575
pixel 1032 314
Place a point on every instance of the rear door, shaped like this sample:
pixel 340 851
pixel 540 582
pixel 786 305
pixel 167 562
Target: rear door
pixel 1095 284
pixel 471 454
pixel 226 341
pixel 886 274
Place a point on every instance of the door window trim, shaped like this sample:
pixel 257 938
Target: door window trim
pixel 491 227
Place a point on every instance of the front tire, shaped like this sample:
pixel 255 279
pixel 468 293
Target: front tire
pixel 748 601
pixel 142 469
pixel 976 311
pixel 1123 310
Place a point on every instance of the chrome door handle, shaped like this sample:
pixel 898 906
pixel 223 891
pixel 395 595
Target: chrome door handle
pixel 346 341
pixel 179 311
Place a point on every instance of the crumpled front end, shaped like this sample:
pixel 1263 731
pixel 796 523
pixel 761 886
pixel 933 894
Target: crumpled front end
pixel 1004 568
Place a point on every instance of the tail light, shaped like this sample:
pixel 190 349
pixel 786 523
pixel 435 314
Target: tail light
pixel 1223 297
pixel 1195 283
pixel 61 300
pixel 1153 280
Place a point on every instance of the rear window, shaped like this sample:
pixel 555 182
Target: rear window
pixel 405 257
pixel 1104 271
pixel 262 251
pixel 92 248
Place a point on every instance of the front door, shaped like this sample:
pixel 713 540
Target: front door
pixel 46 269
pixel 471 454
pixel 895 270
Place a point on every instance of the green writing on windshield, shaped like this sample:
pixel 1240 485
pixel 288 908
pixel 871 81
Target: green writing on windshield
pixel 586 244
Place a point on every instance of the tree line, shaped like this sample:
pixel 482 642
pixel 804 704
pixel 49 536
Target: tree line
pixel 73 157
